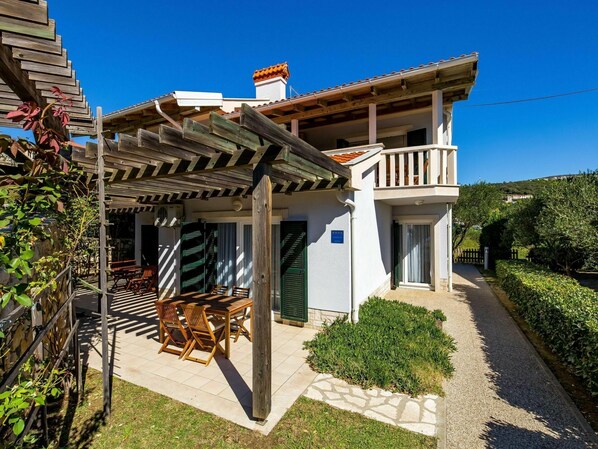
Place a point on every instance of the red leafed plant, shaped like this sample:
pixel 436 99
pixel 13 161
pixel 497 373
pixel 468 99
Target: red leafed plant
pixel 36 119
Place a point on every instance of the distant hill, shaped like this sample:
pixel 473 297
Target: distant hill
pixel 528 186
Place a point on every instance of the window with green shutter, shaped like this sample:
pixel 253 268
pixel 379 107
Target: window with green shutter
pixel 293 270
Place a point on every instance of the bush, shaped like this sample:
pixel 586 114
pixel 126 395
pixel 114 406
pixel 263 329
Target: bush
pixel 564 313
pixel 499 238
pixel 394 346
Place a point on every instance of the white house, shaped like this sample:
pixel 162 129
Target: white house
pixel 331 249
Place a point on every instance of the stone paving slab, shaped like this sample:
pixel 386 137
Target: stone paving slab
pixel 222 388
pixel 419 414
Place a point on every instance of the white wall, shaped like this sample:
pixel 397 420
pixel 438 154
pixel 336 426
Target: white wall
pixel 328 277
pixel 169 262
pixel 324 137
pixel 372 241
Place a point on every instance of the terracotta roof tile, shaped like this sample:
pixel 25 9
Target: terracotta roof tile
pixel 343 158
pixel 272 72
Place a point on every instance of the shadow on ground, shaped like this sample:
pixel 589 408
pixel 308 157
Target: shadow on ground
pixel 513 369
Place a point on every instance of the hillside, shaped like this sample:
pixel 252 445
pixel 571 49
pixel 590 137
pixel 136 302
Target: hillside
pixel 528 186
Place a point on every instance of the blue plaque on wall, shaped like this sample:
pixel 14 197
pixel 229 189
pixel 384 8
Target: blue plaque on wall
pixel 337 236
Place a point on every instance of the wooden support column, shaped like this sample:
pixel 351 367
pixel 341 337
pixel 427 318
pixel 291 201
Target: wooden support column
pixel 103 281
pixel 437 118
pixel 295 127
pixel 437 137
pixel 372 127
pixel 262 307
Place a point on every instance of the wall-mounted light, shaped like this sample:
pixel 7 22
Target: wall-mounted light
pixel 237 205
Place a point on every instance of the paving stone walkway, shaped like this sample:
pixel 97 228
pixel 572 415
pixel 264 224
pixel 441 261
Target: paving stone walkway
pixel 419 415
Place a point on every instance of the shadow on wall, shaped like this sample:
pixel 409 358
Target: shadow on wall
pixel 511 369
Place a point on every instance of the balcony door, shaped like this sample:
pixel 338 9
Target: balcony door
pixel 412 254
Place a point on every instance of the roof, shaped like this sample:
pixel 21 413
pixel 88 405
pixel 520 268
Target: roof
pixel 33 60
pixel 273 71
pixel 401 73
pixel 412 86
pixel 343 158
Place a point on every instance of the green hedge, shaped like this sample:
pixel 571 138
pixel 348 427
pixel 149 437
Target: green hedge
pixel 563 312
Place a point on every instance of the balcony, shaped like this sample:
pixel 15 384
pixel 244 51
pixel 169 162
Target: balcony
pixel 417 175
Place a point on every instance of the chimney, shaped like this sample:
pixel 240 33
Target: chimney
pixel 271 82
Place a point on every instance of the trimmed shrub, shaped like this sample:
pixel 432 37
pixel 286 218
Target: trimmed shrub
pixel 564 314
pixel 394 346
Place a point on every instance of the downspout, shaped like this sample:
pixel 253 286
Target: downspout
pixel 354 315
pixel 449 245
pixel 166 116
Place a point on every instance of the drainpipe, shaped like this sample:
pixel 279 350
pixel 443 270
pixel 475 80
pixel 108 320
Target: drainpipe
pixel 167 117
pixel 354 314
pixel 449 245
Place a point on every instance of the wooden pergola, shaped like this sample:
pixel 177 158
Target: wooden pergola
pixel 33 60
pixel 254 156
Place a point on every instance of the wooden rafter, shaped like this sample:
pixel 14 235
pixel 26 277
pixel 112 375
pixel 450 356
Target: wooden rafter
pixel 33 60
pixel 210 161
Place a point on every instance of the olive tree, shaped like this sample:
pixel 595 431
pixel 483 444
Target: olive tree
pixel 478 204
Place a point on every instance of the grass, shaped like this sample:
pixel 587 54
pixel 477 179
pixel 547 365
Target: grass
pixel 145 420
pixel 394 346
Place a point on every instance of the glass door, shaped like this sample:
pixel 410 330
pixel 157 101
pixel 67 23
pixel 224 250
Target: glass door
pixel 247 276
pixel 417 255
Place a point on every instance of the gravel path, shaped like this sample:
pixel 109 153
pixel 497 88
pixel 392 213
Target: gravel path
pixel 502 395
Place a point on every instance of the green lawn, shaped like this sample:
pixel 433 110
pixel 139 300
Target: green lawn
pixel 394 346
pixel 146 420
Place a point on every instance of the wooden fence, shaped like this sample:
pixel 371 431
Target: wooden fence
pixel 476 256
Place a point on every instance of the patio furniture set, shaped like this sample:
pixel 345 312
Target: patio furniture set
pixel 137 279
pixel 201 321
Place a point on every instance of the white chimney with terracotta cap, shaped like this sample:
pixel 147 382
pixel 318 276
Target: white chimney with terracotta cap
pixel 271 82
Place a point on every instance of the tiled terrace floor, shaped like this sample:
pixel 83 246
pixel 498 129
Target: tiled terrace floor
pixel 222 388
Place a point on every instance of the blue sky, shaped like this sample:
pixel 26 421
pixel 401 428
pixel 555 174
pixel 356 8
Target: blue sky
pixel 126 51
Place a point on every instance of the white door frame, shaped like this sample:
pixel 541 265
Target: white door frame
pixel 430 220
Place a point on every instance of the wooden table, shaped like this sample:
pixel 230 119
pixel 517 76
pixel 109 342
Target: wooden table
pixel 124 272
pixel 221 305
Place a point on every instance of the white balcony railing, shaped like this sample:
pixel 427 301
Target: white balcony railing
pixel 425 165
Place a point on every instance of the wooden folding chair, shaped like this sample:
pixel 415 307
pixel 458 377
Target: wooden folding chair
pixel 242 316
pixel 219 289
pixel 206 333
pixel 175 332
pixel 146 282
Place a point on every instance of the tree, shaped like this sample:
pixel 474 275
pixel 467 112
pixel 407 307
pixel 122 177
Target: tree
pixel 477 204
pixel 498 236
pixel 561 223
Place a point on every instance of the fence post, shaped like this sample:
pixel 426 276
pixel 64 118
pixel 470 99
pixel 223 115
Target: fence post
pixel 486 257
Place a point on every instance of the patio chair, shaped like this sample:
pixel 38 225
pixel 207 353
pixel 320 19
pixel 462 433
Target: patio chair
pixel 206 333
pixel 239 318
pixel 176 333
pixel 219 289
pixel 146 282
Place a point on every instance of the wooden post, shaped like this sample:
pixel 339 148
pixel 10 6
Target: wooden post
pixel 295 127
pixel 372 125
pixel 262 308
pixel 103 268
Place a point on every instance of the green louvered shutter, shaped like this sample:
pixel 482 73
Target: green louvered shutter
pixel 397 254
pixel 211 255
pixel 198 256
pixel 193 257
pixel 293 270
